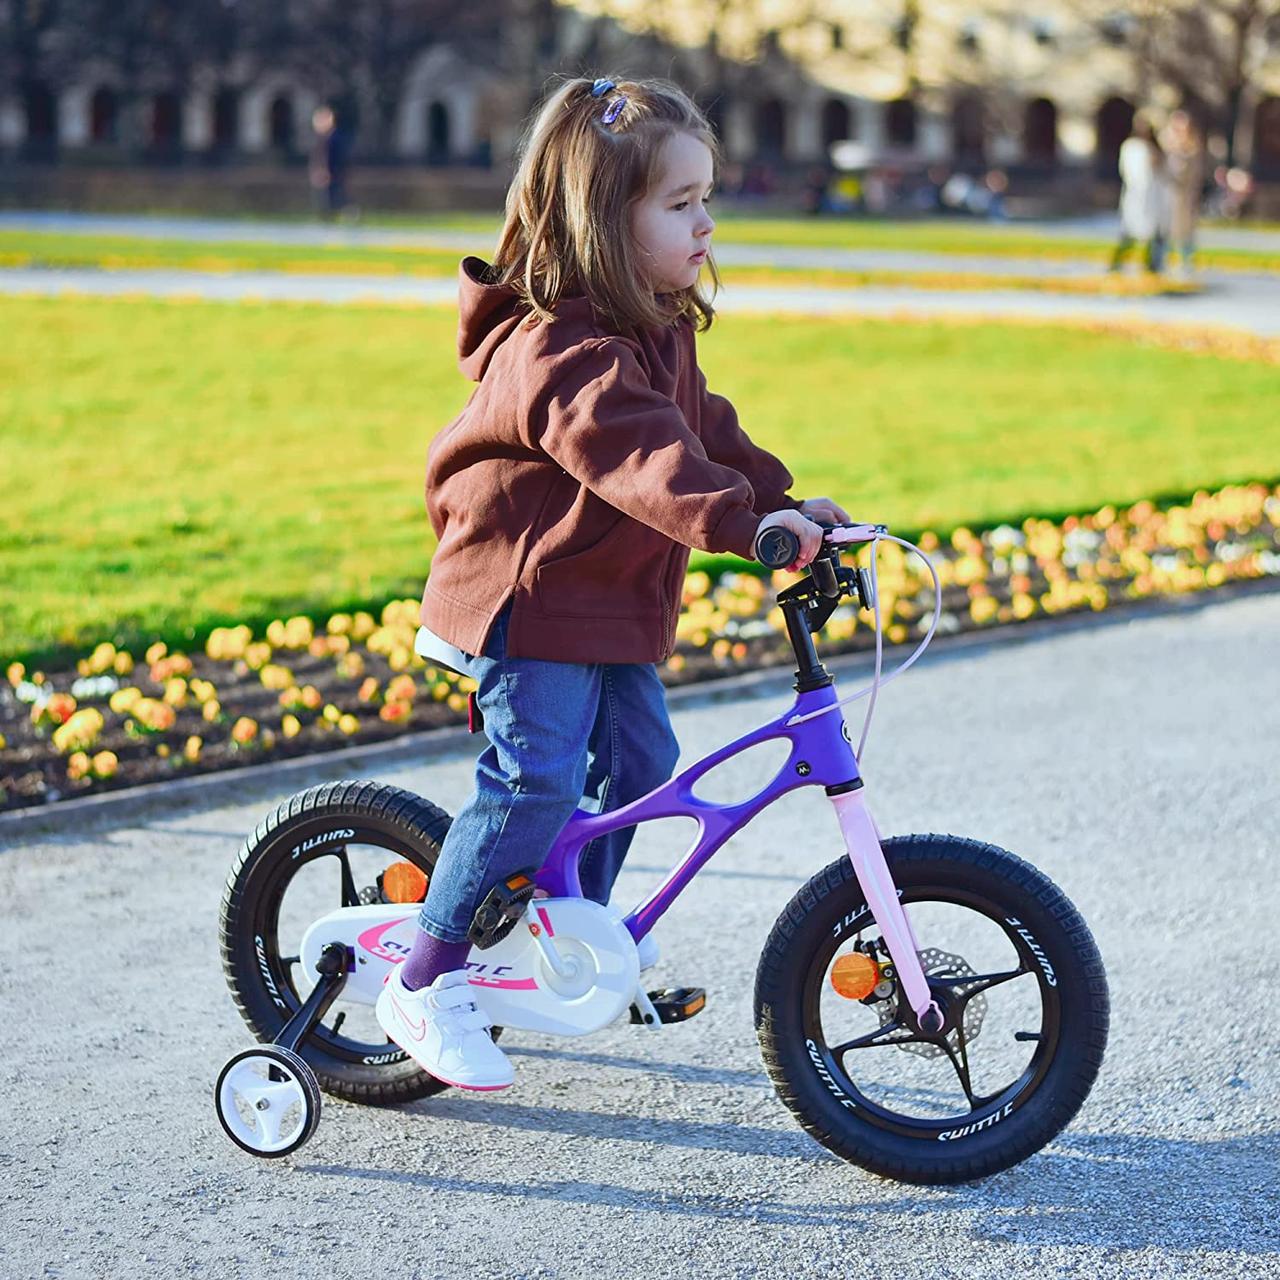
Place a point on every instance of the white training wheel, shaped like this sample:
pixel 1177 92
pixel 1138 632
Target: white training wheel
pixel 268 1100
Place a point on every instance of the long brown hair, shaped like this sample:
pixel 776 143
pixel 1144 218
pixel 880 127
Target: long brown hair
pixel 568 216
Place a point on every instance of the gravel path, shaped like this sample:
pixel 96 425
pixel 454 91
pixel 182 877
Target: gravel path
pixel 1251 303
pixel 1103 228
pixel 1134 762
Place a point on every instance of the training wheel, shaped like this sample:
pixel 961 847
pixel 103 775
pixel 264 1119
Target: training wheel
pixel 268 1101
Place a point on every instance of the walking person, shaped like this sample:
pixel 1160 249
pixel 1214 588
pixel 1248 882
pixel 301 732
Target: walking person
pixel 565 497
pixel 1143 196
pixel 327 166
pixel 1184 157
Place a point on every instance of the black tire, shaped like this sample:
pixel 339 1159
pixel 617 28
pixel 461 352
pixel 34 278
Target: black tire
pixel 326 820
pixel 1051 942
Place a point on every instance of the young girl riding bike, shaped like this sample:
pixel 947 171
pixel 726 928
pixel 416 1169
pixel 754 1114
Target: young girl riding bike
pixel 565 498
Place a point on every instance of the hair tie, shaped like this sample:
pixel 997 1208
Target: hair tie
pixel 613 110
pixel 601 86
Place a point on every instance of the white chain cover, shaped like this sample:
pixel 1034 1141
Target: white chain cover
pixel 512 981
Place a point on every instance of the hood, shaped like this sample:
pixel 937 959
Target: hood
pixel 489 313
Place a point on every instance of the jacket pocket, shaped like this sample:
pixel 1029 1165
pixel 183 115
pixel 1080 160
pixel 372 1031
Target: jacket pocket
pixel 619 575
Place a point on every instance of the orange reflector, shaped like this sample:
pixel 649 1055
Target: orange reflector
pixel 403 882
pixel 855 976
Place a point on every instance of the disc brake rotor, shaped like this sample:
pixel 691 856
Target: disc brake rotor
pixel 940 964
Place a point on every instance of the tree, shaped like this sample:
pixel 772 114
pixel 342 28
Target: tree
pixel 353 49
pixel 1210 52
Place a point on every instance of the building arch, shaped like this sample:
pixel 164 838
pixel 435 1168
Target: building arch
pixel 40 109
pixel 900 122
pixel 1266 139
pixel 1040 132
pixel 968 130
pixel 838 124
pixel 104 116
pixel 166 122
pixel 771 129
pixel 439 134
pixel 1115 120
pixel 225 135
pixel 281 124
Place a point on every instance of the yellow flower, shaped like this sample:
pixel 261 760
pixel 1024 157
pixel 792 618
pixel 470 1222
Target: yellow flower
pixel 105 764
pixel 15 672
pixel 402 688
pixel 123 663
pixel 290 726
pixel 192 748
pixel 331 714
pixel 153 715
pixel 257 655
pixel 211 710
pixel 3 742
pixel 77 765
pixel 368 690
pixel 123 699
pixel 348 724
pixel 311 697
pixel 80 731
pixel 175 692
pixel 156 652
pixel 274 676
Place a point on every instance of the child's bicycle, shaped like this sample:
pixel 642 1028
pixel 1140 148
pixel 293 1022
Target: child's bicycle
pixel 932 1008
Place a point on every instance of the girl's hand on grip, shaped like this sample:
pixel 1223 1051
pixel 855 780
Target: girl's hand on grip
pixel 826 510
pixel 810 535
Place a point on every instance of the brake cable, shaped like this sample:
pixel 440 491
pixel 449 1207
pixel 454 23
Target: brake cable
pixel 874 687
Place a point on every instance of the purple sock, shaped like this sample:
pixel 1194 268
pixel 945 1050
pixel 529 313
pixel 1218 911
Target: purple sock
pixel 430 957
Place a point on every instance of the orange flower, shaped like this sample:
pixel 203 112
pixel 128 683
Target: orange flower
pixel 244 731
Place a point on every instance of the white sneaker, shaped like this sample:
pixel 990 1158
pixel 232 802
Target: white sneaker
pixel 444 1032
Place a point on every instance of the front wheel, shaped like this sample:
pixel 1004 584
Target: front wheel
pixel 1012 966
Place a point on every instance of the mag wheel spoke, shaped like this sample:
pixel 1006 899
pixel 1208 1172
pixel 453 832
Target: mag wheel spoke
pixel 874 1039
pixel 974 984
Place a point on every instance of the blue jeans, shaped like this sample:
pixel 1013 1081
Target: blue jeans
pixel 562 735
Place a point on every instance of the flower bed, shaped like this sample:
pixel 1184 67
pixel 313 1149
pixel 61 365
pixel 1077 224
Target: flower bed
pixel 121 719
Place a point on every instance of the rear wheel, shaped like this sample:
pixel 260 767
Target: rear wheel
pixel 321 849
pixel 1016 973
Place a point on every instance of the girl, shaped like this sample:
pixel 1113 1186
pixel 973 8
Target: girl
pixel 565 498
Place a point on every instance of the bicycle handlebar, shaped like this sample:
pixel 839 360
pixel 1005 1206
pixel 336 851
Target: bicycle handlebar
pixel 778 547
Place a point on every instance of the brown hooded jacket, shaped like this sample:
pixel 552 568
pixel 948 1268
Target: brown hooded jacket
pixel 576 479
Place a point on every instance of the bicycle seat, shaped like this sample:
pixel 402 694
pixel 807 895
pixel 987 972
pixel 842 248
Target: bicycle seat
pixel 438 652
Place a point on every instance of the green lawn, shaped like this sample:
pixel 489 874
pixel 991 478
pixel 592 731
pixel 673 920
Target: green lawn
pixel 174 466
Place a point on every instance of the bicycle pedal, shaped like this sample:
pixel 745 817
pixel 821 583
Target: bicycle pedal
pixel 504 904
pixel 673 1004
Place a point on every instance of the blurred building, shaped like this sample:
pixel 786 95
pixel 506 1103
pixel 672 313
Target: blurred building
pixel 1046 98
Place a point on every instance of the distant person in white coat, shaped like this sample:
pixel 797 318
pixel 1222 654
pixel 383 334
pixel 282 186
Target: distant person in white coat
pixel 1144 201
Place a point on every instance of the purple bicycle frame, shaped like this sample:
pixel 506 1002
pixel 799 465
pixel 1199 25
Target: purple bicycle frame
pixel 821 755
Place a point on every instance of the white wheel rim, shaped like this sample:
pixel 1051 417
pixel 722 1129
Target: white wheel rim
pixel 264 1114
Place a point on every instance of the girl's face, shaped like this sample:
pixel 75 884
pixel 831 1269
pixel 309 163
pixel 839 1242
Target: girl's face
pixel 670 225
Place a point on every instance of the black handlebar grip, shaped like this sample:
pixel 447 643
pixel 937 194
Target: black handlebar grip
pixel 777 547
